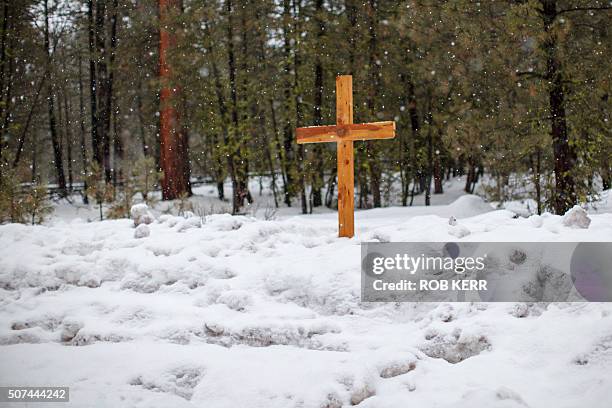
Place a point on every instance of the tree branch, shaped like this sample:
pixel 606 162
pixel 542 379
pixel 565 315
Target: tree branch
pixel 529 74
pixel 584 9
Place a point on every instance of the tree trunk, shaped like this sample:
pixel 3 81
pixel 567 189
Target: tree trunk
pixel 412 191
pixel 244 118
pixel 141 122
pixel 564 154
pixel 109 111
pixel 8 100
pixel 536 179
pixel 69 139
pixel 26 127
pixel 606 176
pixel 289 158
pixel 374 67
pixel 34 176
pixel 173 146
pixel 57 149
pixel 93 84
pixel 298 105
pixel 270 164
pixel 6 20
pixel 223 114
pixel 351 8
pixel 429 152
pixel 83 141
pixel 408 153
pixel 470 177
pixel 415 127
pixel 102 88
pixel 118 148
pixel 362 179
pixel 331 186
pixel 277 143
pixel 239 192
pixel 318 150
pixel 438 188
pixel 259 111
pixel 438 172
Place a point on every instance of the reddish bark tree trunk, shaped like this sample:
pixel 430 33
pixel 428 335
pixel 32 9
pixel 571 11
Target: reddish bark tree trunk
pixel 174 148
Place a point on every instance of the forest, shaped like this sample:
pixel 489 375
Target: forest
pixel 105 99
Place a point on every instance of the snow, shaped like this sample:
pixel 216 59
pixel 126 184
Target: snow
pixel 141 215
pixel 142 231
pixel 227 311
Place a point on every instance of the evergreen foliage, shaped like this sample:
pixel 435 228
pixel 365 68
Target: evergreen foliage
pixel 515 91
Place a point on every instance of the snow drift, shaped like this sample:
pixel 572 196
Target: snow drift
pixel 224 311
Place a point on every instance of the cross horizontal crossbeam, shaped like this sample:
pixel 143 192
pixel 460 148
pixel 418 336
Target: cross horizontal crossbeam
pixel 354 132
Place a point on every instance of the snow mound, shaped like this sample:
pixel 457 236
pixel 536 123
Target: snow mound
pixel 521 209
pixel 140 214
pixel 456 346
pixel 188 223
pixel 142 231
pixel 179 381
pixel 576 218
pixel 458 230
pixel 469 206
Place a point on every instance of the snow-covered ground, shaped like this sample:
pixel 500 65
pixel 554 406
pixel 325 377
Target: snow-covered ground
pixel 205 201
pixel 222 311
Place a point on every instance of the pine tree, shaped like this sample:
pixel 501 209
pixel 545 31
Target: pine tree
pixel 97 187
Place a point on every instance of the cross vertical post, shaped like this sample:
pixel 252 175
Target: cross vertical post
pixel 346 173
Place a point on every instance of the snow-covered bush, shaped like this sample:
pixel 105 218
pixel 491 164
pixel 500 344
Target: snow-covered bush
pixel 188 223
pixel 362 393
pixel 576 218
pixel 397 367
pixel 70 330
pixel 140 214
pixel 456 346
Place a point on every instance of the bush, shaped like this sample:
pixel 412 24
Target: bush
pixel 17 205
pixel 120 208
pixel 37 205
pixel 98 188
pixel 11 199
pixel 145 178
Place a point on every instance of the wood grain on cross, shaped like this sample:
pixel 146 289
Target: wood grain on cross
pixel 344 132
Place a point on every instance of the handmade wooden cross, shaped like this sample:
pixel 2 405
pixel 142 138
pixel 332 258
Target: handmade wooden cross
pixel 344 132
